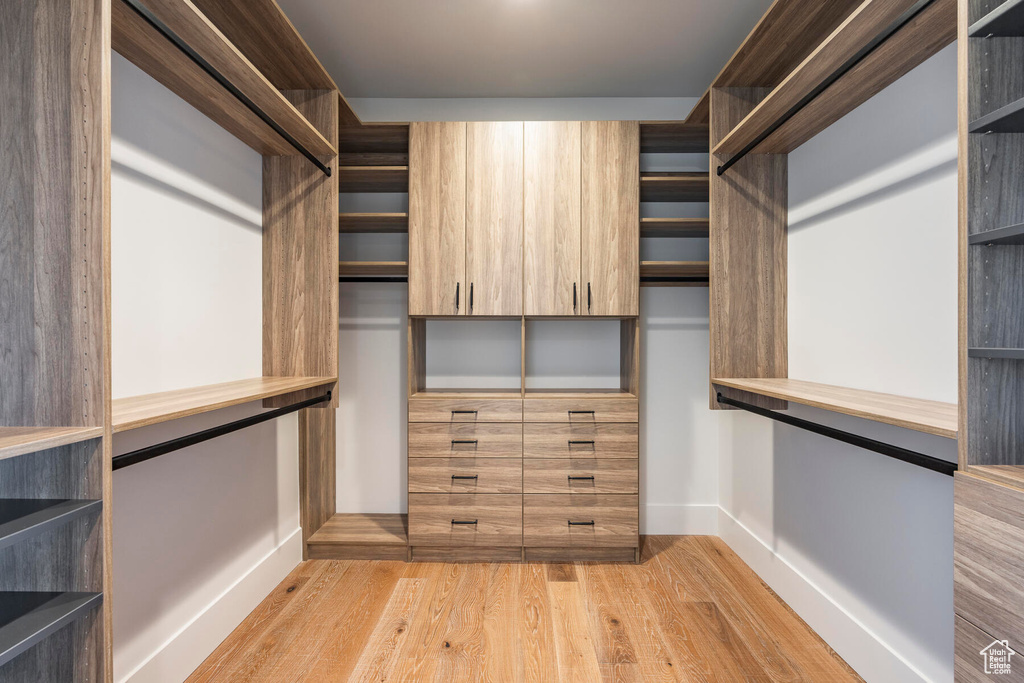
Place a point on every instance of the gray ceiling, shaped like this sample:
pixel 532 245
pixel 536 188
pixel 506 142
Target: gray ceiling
pixel 523 48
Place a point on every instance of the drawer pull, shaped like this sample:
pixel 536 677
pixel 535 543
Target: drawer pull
pixel 465 476
pixel 587 478
pixel 457 412
pixel 463 521
pixel 572 523
pixel 458 441
pixel 581 442
pixel 586 412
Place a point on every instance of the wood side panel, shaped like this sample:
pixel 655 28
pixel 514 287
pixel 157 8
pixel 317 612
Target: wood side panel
pixel 437 219
pixel 494 217
pixel 747 261
pixel 551 200
pixel 317 470
pixel 610 218
pixel 968 662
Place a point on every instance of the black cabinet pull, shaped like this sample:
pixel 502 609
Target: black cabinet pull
pixel 585 412
pixel 572 523
pixel 465 476
pixel 589 298
pixel 463 521
pixel 587 478
pixel 470 297
pixel 458 441
pixel 456 412
pixel 581 442
pixel 457 295
pixel 574 297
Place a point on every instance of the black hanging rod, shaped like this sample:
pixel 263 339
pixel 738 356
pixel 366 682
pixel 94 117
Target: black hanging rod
pixel 166 31
pixel 150 452
pixel 904 454
pixel 870 47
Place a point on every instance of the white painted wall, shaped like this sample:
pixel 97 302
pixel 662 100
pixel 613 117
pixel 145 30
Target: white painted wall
pixel 859 544
pixel 203 534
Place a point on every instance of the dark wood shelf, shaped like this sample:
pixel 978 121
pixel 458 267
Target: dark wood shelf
pixel 373 269
pixel 1005 21
pixel 994 353
pixel 674 137
pixel 1011 234
pixel 681 186
pixel 1006 119
pixel 374 137
pixel 674 227
pixel 29 617
pixel 373 222
pixel 373 179
pixel 23 518
pixel 674 273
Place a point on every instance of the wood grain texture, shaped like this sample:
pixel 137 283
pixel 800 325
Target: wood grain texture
pixel 317 469
pixel 688 269
pixel 674 186
pixel 373 222
pixel 570 475
pixel 16 441
pixel 629 356
pixel 968 662
pixel 747 255
pixel 437 219
pixel 373 179
pixel 452 475
pixel 546 520
pixel 551 200
pixel 931 417
pixel 450 439
pixel 610 220
pixel 674 227
pixel 149 409
pixel 673 137
pixel 360 537
pixel 963 227
pixel 581 410
pixel 469 409
pixel 373 268
pixel 498 519
pixel 494 218
pixel 552 440
pixel 374 137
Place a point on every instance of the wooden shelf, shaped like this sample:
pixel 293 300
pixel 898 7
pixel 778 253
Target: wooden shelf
pixel 373 269
pixel 577 393
pixel 140 43
pixel 1012 234
pixel 373 179
pixel 926 34
pixel 1005 21
pixel 1012 475
pixel 674 227
pixel 150 409
pixel 931 417
pixel 361 537
pixel 997 354
pixel 673 137
pixel 468 393
pixel 29 617
pixel 16 441
pixel 23 518
pixel 682 186
pixel 1006 119
pixel 374 137
pixel 373 222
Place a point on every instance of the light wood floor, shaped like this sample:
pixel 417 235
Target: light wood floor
pixel 692 611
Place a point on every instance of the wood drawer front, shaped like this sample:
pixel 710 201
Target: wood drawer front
pixel 465 409
pixel 546 517
pixel 988 556
pixel 552 440
pixel 581 411
pixel 498 517
pixel 465 475
pixel 580 476
pixel 463 440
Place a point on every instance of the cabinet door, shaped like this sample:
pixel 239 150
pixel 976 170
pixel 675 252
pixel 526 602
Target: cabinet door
pixel 494 218
pixel 551 216
pixel 437 219
pixel 611 218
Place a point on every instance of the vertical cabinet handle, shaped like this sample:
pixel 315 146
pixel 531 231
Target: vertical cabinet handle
pixel 457 295
pixel 470 297
pixel 574 297
pixel 589 298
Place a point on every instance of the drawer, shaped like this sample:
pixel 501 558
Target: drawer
pixel 461 439
pixel 563 520
pixel 580 476
pixel 466 519
pixel 596 440
pixel 465 475
pixel 581 410
pixel 423 409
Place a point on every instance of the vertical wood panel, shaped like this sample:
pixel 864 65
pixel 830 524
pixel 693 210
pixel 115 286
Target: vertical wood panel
pixel 437 218
pixel 610 220
pixel 317 470
pixel 494 217
pixel 551 219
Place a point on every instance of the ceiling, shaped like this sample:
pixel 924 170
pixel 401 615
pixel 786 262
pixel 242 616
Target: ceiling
pixel 523 48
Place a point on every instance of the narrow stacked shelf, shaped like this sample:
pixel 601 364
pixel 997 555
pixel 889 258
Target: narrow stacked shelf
pixel 16 441
pixel 384 271
pixel 674 227
pixel 29 617
pixel 374 178
pixel 23 518
pixel 674 273
pixel 674 186
pixel 373 222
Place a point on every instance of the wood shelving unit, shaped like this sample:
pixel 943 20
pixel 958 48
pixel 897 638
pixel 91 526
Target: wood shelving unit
pixel 674 227
pixel 673 137
pixel 674 273
pixel 373 222
pixel 674 186
pixel 1005 21
pixel 1012 234
pixel 373 269
pixel 931 417
pixel 23 518
pixel 1007 119
pixel 16 441
pixel 361 537
pixel 150 409
pixel 374 138
pixel 374 178
pixel 29 617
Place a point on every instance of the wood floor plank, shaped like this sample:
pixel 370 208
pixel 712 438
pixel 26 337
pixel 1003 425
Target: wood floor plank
pixel 574 645
pixel 536 630
pixel 502 659
pixel 611 642
pixel 381 654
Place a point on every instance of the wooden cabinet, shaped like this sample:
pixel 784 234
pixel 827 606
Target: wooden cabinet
pixel 610 218
pixel 437 219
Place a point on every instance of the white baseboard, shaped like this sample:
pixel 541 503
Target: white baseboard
pixel 679 520
pixel 185 650
pixel 865 652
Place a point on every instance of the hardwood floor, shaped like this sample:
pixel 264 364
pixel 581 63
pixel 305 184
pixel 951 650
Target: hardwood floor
pixel 691 611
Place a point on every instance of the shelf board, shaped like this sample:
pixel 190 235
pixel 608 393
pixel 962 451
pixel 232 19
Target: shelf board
pixel 16 441
pixel 577 393
pixel 373 159
pixel 373 269
pixel 141 44
pixel 674 269
pixel 361 537
pixel 28 617
pixel 373 178
pixel 995 353
pixel 150 409
pixel 674 137
pixel 674 227
pixel 373 222
pixel 1012 475
pixel 674 186
pixel 1011 234
pixel 374 138
pixel 931 417
pixel 1006 119
pixel 23 518
pixel 1005 21
pixel 468 393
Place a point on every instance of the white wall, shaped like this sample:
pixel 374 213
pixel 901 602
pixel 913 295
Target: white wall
pixel 859 544
pixel 203 534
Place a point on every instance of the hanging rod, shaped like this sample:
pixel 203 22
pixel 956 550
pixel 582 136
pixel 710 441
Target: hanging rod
pixel 150 452
pixel 904 454
pixel 166 31
pixel 870 47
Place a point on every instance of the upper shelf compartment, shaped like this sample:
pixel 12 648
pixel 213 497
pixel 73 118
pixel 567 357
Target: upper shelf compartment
pixel 674 186
pixel 180 68
pixel 673 137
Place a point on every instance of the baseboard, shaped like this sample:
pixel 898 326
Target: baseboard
pixel 679 520
pixel 189 646
pixel 865 652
